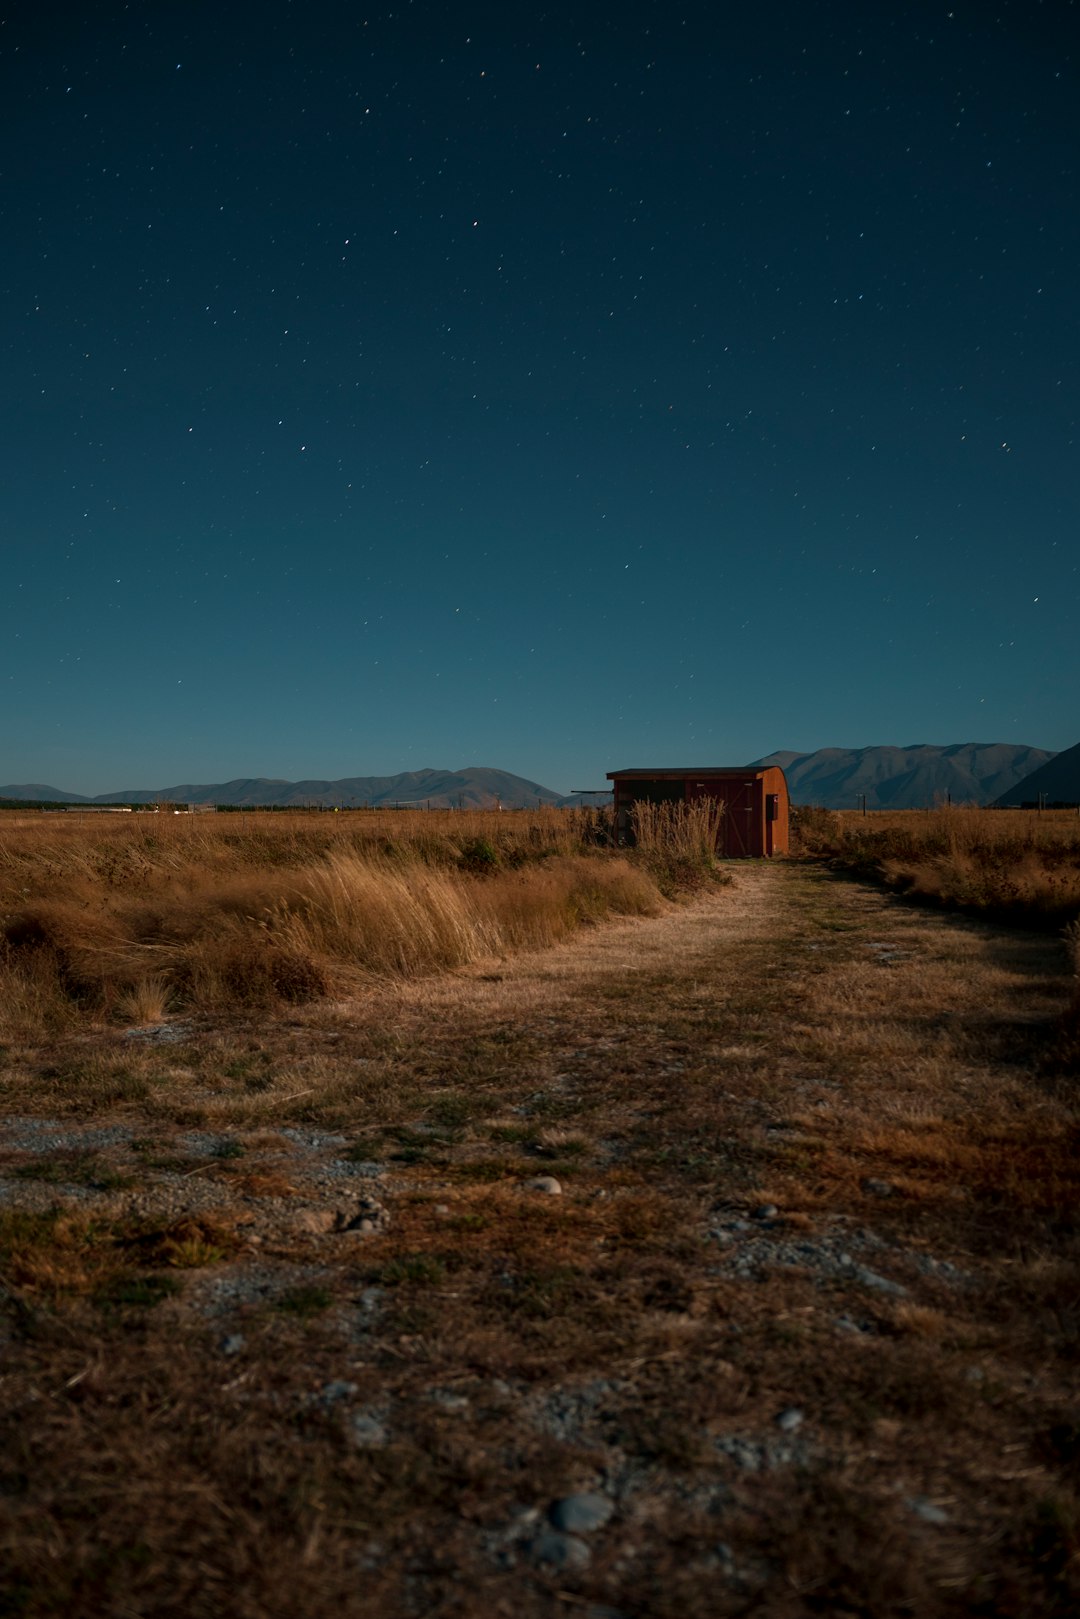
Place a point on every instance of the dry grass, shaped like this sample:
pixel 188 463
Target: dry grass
pixel 133 920
pixel 1017 865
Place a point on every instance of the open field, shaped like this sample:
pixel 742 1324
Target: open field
pixel 294 1323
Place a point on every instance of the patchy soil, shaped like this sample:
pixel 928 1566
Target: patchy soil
pixel 719 1263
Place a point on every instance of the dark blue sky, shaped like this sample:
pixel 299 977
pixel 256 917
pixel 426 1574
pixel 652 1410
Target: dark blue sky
pixel 559 388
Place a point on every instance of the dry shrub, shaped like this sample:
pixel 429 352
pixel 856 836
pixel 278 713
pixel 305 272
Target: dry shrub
pixel 147 1001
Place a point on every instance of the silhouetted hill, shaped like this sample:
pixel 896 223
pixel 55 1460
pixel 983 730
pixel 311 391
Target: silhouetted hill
pixel 36 793
pixel 909 777
pixel 475 787
pixel 1058 781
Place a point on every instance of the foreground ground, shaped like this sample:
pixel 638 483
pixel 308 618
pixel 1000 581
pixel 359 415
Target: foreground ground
pixel 297 1323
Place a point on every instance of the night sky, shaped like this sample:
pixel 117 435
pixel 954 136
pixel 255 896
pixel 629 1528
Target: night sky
pixel 557 389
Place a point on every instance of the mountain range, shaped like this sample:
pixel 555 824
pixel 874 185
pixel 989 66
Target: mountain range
pixel 475 787
pixel 910 777
pixel 889 777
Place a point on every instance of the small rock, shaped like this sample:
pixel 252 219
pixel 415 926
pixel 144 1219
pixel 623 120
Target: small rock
pixel 547 1184
pixel 442 1208
pixel 578 1514
pixel 369 1430
pixel 880 1284
pixel 877 1188
pixel 233 1344
pixel 367 1216
pixel 789 1420
pixel 557 1550
pixel 765 1211
pixel 449 1400
pixel 335 1391
pixel 924 1508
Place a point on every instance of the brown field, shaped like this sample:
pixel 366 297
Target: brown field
pixel 290 1323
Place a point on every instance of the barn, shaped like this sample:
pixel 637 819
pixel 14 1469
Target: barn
pixel 755 800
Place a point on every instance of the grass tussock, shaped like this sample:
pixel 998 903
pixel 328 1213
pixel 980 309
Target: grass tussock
pixel 677 841
pixel 134 922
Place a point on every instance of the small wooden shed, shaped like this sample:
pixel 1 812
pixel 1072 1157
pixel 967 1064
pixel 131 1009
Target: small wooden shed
pixel 755 800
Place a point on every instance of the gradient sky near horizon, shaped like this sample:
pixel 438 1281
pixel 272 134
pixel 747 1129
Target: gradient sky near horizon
pixel 559 389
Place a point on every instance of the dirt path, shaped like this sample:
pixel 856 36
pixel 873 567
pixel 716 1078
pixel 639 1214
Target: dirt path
pixel 297 1322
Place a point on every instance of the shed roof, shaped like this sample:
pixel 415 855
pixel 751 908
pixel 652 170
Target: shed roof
pixel 688 770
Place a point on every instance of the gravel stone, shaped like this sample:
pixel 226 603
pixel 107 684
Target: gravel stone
pixel 50 1135
pixel 233 1344
pixel 789 1420
pixel 578 1514
pixel 759 1455
pixel 368 1429
pixel 546 1184
pixel 880 1284
pixel 765 1211
pixel 583 1415
pixel 161 1034
pixel 449 1400
pixel 338 1389
pixel 366 1217
pixel 877 1188
pixel 564 1552
pixel 313 1140
pixel 924 1508
pixel 205 1144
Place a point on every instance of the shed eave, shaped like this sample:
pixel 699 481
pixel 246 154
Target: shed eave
pixel 706 772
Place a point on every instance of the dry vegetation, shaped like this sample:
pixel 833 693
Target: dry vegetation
pixel 1021 867
pixel 288 1327
pixel 133 917
pixel 1016 865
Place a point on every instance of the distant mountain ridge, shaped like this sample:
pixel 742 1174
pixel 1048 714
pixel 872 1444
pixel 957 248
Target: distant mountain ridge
pixel 890 777
pixel 907 777
pixel 1056 782
pixel 475 787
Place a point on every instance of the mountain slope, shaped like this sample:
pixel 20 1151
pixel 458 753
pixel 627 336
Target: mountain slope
pixel 1058 781
pixel 909 777
pixel 475 787
pixel 44 795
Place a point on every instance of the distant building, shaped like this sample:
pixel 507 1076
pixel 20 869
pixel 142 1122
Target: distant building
pixel 755 800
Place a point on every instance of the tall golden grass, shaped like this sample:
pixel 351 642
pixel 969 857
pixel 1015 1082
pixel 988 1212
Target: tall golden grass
pixel 133 917
pixel 689 830
pixel 1010 863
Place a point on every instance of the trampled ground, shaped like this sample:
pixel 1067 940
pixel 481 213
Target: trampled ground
pixel 293 1326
